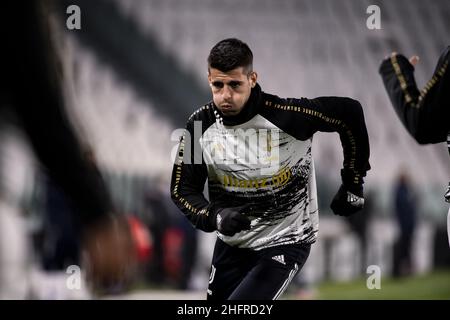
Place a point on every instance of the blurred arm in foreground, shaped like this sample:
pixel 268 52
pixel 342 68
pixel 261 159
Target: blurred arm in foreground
pixel 31 89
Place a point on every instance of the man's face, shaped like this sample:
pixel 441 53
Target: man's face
pixel 231 89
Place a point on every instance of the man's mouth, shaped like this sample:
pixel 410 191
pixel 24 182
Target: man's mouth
pixel 226 108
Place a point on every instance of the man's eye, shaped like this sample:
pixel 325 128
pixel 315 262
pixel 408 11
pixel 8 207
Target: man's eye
pixel 218 85
pixel 235 85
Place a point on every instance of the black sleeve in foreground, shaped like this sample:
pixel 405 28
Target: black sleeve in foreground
pixel 303 117
pixel 188 181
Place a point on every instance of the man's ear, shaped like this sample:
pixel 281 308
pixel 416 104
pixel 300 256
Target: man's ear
pixel 253 78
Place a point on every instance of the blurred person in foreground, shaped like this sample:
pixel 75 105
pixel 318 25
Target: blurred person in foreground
pixel 30 90
pixel 426 113
pixel 254 148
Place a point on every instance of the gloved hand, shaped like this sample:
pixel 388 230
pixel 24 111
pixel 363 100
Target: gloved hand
pixel 231 221
pixel 346 203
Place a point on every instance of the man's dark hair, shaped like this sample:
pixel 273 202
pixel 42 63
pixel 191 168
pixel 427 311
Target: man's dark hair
pixel 229 54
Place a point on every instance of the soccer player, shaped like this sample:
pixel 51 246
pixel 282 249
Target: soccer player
pixel 254 149
pixel 425 114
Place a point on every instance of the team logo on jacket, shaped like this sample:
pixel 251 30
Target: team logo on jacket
pixel 279 258
pixel 244 147
pixel 447 194
pixel 354 200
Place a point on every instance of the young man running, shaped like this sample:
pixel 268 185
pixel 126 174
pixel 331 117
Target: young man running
pixel 254 149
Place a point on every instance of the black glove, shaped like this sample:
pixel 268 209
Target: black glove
pixel 346 203
pixel 231 221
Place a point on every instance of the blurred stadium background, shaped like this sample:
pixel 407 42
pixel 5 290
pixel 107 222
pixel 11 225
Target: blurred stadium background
pixel 137 69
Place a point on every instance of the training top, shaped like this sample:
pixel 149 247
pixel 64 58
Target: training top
pixel 262 158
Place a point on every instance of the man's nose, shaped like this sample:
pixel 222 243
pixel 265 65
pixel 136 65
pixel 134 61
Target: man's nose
pixel 226 94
